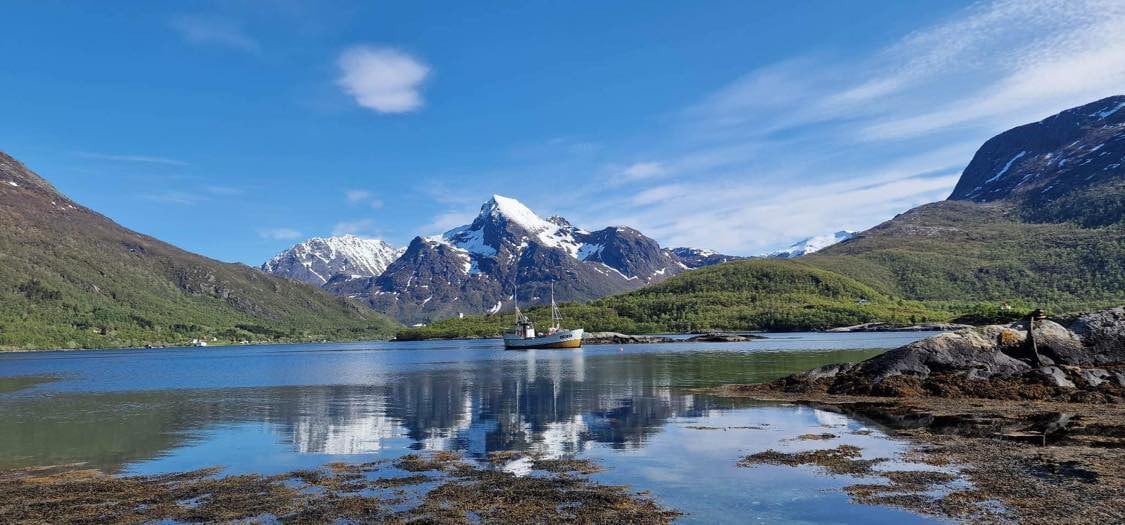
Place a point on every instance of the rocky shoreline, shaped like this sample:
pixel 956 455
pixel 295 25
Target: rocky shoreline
pixel 1037 425
pixel 888 327
pixel 615 338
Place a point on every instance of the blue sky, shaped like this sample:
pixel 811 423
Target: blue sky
pixel 236 128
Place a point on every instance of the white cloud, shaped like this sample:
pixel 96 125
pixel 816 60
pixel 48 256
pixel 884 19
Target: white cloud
pixel 145 159
pixel 383 79
pixel 280 234
pixel 364 197
pixel 213 30
pixel 643 170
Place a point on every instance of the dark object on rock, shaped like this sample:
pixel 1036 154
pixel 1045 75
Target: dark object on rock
pixel 1029 345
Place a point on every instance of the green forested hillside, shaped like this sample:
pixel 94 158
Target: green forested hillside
pixel 954 252
pixel 757 294
pixel 71 278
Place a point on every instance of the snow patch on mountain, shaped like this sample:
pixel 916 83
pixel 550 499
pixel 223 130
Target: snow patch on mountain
pixel 1006 167
pixel 812 244
pixel 1108 111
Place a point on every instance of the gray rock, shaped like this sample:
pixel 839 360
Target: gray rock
pixel 1120 378
pixel 1057 343
pixel 974 348
pixel 1094 376
pixel 1055 376
pixel 1102 335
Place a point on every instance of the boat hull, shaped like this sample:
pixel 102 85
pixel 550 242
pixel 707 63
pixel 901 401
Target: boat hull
pixel 560 339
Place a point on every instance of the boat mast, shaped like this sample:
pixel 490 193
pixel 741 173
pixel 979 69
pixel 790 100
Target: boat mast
pixel 556 315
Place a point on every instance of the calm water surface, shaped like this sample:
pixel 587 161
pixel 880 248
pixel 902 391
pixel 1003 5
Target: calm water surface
pixel 277 408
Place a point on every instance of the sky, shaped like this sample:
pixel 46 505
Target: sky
pixel 237 128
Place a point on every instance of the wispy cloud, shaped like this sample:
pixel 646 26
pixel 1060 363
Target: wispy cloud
pixel 992 64
pixel 214 31
pixel 145 159
pixel 279 234
pixel 815 144
pixel 363 197
pixel 383 79
pixel 642 171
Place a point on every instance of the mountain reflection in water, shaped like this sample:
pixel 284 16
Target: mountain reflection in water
pixel 554 403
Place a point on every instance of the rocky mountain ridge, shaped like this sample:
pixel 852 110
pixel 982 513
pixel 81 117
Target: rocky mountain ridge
pixel 319 259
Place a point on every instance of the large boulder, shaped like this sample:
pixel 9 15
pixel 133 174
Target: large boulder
pixel 978 349
pixel 1103 338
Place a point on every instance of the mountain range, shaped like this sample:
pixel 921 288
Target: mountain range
pixel 476 268
pixel 70 277
pixel 508 250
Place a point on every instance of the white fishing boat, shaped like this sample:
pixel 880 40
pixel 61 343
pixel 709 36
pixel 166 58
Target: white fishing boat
pixel 524 337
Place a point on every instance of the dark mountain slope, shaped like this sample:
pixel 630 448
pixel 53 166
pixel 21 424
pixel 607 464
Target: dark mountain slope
pixel 70 277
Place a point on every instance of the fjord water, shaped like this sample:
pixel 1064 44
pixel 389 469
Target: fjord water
pixel 282 407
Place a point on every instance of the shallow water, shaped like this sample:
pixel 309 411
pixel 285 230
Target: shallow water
pixel 282 407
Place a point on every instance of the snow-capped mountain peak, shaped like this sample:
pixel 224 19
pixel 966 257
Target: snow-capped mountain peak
pixel 812 244
pixel 318 259
pixel 515 212
pixel 506 219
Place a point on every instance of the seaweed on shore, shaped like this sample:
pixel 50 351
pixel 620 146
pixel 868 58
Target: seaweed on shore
pixel 842 460
pixel 464 492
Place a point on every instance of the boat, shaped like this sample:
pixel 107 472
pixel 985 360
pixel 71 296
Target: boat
pixel 524 337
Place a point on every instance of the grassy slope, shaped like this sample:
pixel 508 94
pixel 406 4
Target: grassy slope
pixel 71 278
pixel 952 253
